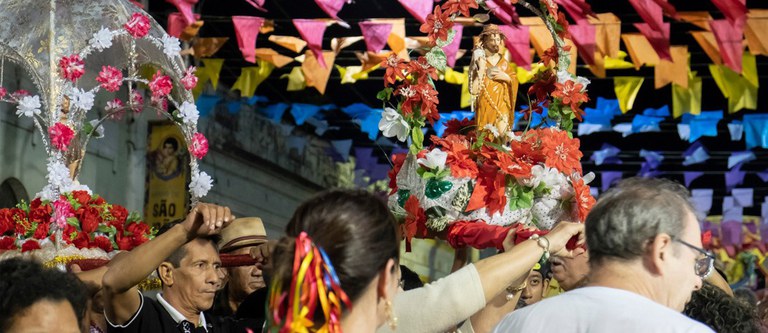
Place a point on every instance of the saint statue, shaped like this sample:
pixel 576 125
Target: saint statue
pixel 492 82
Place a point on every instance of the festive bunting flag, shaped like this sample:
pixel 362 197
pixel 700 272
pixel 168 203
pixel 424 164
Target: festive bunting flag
pixel 503 11
pixel 624 128
pixel 687 101
pixel 577 9
pixel 258 4
pixel 451 50
pixel 659 39
pixel 349 74
pixel 757 25
pixel 651 13
pixel 518 42
pixel 206 103
pixel 690 176
pixel 542 40
pixel 274 111
pixel 396 40
pixel 331 7
pixel 642 123
pixel 370 60
pixel 706 40
pixel 764 177
pixel 734 10
pixel 584 36
pixel 296 79
pixel 267 27
pixel 675 71
pixel 626 88
pixel 696 153
pixel 212 69
pixel 640 50
pixel 608 33
pixel 756 130
pixel 736 129
pixel 700 19
pixel 729 39
pixel 340 43
pixel 667 8
pixel 342 147
pixel 702 127
pixel 185 8
pixel 251 77
pixel 741 90
pixel 312 31
pixel 607 154
pixel 370 124
pixel 375 34
pixel 609 178
pixel 418 8
pixel 702 199
pixel 617 62
pixel 587 129
pixel 740 157
pixel 177 24
pixel 316 75
pixel 301 112
pixel 271 56
pixel 208 46
pixel 246 31
pixel 734 177
pixel 289 42
pixel 684 131
pixel 744 197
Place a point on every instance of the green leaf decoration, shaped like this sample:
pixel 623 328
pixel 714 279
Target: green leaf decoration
pixel 417 136
pixel 461 198
pixel 73 222
pixel 520 197
pixel 443 43
pixel 437 59
pixel 88 128
pixel 385 94
pixel 436 188
pixel 402 197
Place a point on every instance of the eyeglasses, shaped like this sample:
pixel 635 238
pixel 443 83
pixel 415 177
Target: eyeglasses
pixel 704 266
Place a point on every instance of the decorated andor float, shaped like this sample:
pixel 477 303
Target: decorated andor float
pixel 481 178
pixel 75 54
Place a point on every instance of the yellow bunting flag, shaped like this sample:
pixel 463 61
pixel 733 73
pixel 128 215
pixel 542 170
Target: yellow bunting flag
pixel 351 74
pixel 706 40
pixel 687 100
pixel 251 77
pixel 267 27
pixel 212 67
pixel 296 79
pixel 289 42
pixel 273 57
pixel 755 31
pixel 191 31
pixel 206 47
pixel 525 76
pixel 741 90
pixel 675 71
pixel 626 88
pixel 317 76
pixel 454 77
pixel 608 31
pixel 640 50
pixel 618 62
pixel 202 78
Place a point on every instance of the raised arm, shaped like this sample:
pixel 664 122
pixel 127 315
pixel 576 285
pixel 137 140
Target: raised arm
pixel 121 297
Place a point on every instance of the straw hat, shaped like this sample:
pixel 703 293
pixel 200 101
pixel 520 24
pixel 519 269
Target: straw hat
pixel 242 232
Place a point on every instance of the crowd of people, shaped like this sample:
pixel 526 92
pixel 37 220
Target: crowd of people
pixel 638 266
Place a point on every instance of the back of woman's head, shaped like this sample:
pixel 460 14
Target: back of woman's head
pixel 356 230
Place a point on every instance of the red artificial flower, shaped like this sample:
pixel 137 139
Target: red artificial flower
pixel 61 136
pixel 583 199
pixel 6 221
pixel 97 200
pixel 489 190
pixel 395 68
pixel 437 25
pixel 551 7
pixel 199 146
pixel 415 221
pixel 550 54
pixel 119 213
pixel 571 94
pixel 138 26
pixel 22 224
pixel 459 155
pixel 103 243
pixel 422 70
pixel 562 152
pixel 82 197
pixel 38 212
pixel 30 245
pixel 189 81
pixel 429 102
pixel 459 6
pixel 3 92
pixel 115 106
pixel 411 95
pixel 397 164
pixel 18 94
pixel 72 67
pixel 110 78
pixel 124 243
pixel 139 233
pixel 515 167
pixel 455 126
pixel 161 103
pixel 137 102
pixel 563 32
pixel 82 240
pixel 42 230
pixel 160 85
pixel 527 150
pixel 7 243
pixel 89 218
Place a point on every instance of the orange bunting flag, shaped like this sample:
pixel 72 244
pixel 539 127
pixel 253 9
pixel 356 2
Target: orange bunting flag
pixel 208 46
pixel 271 56
pixel 640 50
pixel 608 31
pixel 267 27
pixel 289 42
pixel 370 59
pixel 340 43
pixel 675 71
pixel 755 31
pixel 315 74
pixel 542 40
pixel 396 40
pixel 699 19
pixel 708 43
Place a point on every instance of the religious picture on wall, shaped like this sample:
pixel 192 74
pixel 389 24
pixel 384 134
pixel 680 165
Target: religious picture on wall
pixel 166 195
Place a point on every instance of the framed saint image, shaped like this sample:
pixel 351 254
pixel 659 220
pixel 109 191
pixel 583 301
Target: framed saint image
pixel 167 165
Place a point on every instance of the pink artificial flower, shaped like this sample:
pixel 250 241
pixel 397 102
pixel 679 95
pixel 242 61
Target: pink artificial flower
pixel 137 102
pixel 199 146
pixel 61 136
pixel 18 94
pixel 160 85
pixel 159 102
pixel 72 67
pixel 138 26
pixel 62 210
pixel 115 105
pixel 3 92
pixel 110 78
pixel 189 80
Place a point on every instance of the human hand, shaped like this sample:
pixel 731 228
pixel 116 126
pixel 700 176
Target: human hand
pixel 263 252
pixel 207 219
pixel 560 235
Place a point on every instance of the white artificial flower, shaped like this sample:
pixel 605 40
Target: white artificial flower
pixel 564 76
pixel 392 124
pixel 171 45
pixel 200 184
pixel 82 99
pixel 492 129
pixel 101 40
pixel 76 187
pixel 188 113
pixel 98 132
pixel 434 159
pixel 551 177
pixel 47 193
pixel 29 106
pixel 58 174
pixel 583 81
pixel 514 137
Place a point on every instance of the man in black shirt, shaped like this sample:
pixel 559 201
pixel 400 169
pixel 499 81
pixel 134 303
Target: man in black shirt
pixel 188 265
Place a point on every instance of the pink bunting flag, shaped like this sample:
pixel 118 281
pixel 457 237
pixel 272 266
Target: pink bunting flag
pixel 375 34
pixel 504 11
pixel 668 8
pixel 418 8
pixel 246 30
pixel 331 7
pixel 453 48
pixel 518 43
pixel 729 40
pixel 185 8
pixel 650 12
pixel 734 10
pixel 659 39
pixel 176 24
pixel 312 32
pixel 258 4
pixel 584 35
pixel 577 9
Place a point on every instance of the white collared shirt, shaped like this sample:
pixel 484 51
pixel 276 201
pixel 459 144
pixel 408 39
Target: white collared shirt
pixel 176 315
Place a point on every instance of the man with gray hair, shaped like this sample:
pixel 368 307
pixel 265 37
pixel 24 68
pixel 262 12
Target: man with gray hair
pixel 645 258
